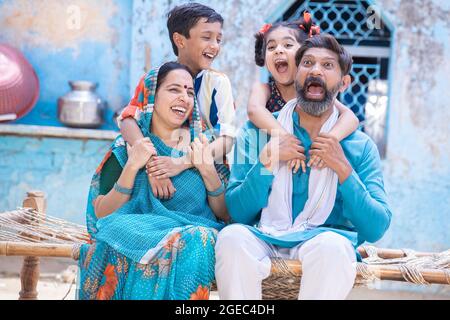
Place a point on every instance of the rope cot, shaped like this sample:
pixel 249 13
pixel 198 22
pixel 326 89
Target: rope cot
pixel 30 233
pixel 419 268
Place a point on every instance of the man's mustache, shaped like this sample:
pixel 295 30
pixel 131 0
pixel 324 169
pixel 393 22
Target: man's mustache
pixel 316 80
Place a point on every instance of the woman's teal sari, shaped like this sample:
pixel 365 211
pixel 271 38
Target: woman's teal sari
pixel 151 248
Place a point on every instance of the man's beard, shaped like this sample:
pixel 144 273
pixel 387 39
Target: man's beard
pixel 315 107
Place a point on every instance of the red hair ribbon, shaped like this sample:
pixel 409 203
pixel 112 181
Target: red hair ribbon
pixel 307 17
pixel 314 31
pixel 265 28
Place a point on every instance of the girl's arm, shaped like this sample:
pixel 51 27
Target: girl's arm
pixel 346 124
pixel 257 112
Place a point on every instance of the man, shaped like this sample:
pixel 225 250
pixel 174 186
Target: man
pixel 318 217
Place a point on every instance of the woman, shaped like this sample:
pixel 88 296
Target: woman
pixel 144 247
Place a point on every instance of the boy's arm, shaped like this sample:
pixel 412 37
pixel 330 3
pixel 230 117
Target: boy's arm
pixel 257 112
pixel 346 124
pixel 127 118
pixel 130 131
pixel 161 188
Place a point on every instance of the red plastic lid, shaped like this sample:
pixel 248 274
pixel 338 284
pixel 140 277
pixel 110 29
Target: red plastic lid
pixel 19 84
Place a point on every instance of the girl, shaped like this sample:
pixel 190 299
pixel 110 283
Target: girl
pixel 275 48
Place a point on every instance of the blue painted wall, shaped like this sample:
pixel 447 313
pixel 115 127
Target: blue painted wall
pixel 62 168
pixel 61 49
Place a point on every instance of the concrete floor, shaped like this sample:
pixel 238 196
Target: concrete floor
pixel 57 274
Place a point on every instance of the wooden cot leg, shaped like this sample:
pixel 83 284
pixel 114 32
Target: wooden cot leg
pixel 29 275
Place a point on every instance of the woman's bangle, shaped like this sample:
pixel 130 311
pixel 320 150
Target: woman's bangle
pixel 122 190
pixel 217 192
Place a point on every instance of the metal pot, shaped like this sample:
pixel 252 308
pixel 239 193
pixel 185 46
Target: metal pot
pixel 81 107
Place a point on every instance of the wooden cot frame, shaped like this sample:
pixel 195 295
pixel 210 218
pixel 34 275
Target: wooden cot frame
pixel 31 252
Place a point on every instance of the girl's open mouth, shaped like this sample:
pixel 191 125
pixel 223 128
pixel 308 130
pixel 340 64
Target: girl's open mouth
pixel 281 66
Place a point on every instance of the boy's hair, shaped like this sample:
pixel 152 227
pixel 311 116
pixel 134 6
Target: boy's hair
pixel 303 29
pixel 328 42
pixel 166 68
pixel 183 18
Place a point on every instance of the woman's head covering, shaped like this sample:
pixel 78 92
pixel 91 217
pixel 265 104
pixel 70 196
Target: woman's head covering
pixel 144 121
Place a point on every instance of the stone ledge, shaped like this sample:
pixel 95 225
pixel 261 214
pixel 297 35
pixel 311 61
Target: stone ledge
pixel 56 132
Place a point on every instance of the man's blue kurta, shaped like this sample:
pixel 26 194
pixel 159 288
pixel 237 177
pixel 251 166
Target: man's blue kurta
pixel 361 212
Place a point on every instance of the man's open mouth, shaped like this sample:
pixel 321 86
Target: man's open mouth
pixel 315 90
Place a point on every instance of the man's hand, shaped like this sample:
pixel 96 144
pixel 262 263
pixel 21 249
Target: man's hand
pixel 294 164
pixel 328 148
pixel 281 149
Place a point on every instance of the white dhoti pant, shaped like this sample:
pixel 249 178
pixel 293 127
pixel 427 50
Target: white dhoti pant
pixel 243 262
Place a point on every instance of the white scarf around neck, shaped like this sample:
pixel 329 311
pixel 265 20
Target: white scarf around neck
pixel 276 218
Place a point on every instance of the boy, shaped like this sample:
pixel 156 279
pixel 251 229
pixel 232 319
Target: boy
pixel 196 33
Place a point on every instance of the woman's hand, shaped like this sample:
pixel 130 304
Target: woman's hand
pixel 140 153
pixel 167 167
pixel 162 188
pixel 201 155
